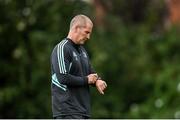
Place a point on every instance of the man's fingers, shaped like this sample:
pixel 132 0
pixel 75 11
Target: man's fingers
pixel 105 84
pixel 95 75
pixel 101 86
pixel 100 91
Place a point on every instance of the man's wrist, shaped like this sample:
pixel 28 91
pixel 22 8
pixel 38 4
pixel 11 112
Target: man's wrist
pixel 98 78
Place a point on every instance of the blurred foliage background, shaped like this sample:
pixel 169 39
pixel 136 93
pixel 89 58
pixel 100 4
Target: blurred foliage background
pixel 134 46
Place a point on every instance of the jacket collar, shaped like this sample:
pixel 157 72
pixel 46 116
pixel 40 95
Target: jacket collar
pixel 72 43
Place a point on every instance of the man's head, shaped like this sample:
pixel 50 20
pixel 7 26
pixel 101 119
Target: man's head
pixel 80 29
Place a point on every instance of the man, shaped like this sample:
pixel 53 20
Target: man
pixel 72 73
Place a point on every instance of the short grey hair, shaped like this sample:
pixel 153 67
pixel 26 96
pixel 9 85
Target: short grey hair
pixel 80 20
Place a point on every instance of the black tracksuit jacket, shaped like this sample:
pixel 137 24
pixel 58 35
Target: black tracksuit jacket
pixel 70 90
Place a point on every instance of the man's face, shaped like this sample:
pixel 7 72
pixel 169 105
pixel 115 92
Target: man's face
pixel 84 33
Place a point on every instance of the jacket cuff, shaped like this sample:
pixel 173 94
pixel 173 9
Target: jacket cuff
pixel 85 80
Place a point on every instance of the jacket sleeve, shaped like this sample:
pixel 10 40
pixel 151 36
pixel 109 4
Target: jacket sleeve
pixel 61 62
pixel 91 69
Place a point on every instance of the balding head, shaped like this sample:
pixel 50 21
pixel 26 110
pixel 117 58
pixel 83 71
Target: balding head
pixel 80 20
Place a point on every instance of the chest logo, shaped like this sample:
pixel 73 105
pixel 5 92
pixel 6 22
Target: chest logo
pixel 75 56
pixel 84 55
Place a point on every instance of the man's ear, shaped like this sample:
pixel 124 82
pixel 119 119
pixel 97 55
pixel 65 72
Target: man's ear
pixel 76 28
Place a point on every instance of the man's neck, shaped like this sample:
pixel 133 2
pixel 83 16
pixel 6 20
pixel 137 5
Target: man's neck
pixel 73 38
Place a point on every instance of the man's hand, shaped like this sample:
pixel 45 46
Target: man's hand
pixel 101 86
pixel 92 78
